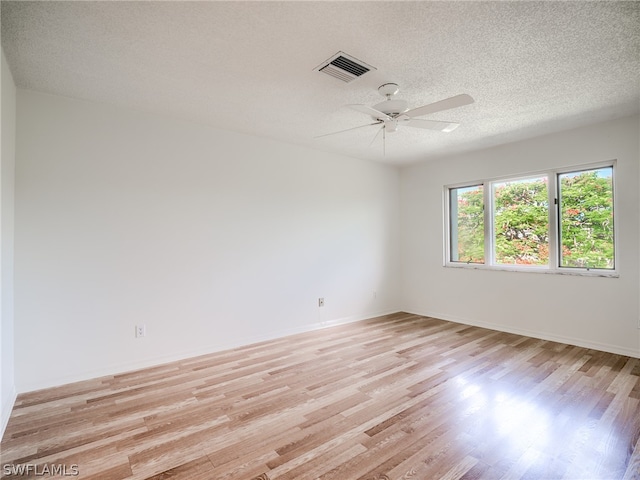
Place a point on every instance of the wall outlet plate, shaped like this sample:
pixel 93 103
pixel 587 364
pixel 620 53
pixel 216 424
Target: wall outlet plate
pixel 141 330
pixel 321 302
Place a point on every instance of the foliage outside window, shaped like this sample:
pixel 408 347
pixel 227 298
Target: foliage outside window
pixel 509 222
pixel 586 218
pixel 467 224
pixel 521 222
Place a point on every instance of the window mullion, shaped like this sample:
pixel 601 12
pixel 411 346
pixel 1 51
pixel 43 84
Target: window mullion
pixel 554 231
pixel 488 224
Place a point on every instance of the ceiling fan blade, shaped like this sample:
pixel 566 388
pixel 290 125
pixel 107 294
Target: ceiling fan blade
pixel 349 129
pixel 453 102
pixel 431 124
pixel 370 111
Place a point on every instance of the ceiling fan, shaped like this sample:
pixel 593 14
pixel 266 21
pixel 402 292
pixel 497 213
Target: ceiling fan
pixel 394 113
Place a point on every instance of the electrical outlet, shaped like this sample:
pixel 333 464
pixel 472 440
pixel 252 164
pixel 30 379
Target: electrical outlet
pixel 141 330
pixel 321 302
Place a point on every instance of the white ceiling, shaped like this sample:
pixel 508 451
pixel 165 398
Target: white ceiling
pixel 532 67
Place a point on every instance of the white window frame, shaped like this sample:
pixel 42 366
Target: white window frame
pixel 553 191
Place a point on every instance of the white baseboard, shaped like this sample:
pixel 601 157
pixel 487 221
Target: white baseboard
pixel 116 369
pixel 7 408
pixel 579 342
pixel 351 319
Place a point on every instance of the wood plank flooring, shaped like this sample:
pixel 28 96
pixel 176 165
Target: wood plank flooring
pixel 396 397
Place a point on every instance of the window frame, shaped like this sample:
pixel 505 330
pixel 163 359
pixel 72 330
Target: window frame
pixel 449 224
pixel 553 192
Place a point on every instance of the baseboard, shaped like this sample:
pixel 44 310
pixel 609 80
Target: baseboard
pixel 7 408
pixel 351 319
pixel 182 355
pixel 578 342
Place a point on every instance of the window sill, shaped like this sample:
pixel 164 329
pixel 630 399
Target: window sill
pixel 581 272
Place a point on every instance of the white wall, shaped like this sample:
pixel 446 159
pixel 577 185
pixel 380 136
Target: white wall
pixel 588 311
pixel 7 165
pixel 212 239
pixel 215 239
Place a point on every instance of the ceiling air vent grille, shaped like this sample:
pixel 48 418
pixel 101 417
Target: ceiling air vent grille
pixel 344 67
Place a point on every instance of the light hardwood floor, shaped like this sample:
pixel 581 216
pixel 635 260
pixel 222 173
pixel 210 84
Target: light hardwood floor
pixel 400 396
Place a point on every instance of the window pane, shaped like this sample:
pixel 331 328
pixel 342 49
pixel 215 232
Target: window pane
pixel 586 219
pixel 466 227
pixel 521 222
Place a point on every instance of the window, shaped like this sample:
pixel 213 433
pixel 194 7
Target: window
pixel 586 219
pixel 558 221
pixel 467 224
pixel 521 222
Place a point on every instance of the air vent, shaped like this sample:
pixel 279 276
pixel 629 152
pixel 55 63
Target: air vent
pixel 344 67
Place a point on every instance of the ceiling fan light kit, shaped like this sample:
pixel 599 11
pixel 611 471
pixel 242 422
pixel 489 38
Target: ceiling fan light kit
pixel 394 113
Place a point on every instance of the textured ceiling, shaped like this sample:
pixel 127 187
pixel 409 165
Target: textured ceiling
pixel 532 67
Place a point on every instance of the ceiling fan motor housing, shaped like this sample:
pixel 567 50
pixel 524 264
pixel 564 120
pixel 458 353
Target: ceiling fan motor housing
pixel 392 107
